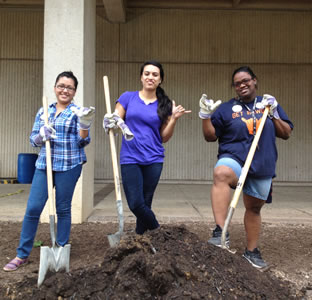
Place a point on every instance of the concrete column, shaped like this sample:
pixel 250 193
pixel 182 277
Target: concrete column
pixel 69 44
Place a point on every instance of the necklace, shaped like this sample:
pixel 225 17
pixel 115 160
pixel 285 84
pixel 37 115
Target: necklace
pixel 252 114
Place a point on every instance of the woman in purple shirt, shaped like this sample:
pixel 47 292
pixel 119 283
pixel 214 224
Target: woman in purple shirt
pixel 151 116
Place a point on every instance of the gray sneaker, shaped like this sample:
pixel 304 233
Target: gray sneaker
pixel 254 257
pixel 216 237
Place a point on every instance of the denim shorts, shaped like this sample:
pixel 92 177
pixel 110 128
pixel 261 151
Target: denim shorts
pixel 260 188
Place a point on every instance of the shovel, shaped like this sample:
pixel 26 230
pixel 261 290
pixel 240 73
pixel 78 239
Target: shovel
pixel 242 178
pixel 114 239
pixel 55 258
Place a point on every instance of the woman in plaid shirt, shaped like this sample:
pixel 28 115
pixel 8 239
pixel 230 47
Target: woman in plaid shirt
pixel 68 132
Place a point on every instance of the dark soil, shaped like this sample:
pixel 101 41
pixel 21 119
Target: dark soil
pixel 173 262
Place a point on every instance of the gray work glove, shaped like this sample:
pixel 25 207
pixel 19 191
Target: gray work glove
pixel 46 132
pixel 85 116
pixel 114 122
pixel 207 107
pixel 269 100
pixel 125 129
pixel 110 122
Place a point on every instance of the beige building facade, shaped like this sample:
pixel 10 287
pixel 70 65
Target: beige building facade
pixel 199 43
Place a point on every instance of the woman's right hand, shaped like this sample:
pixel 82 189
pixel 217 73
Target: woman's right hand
pixel 114 121
pixel 110 121
pixel 47 132
pixel 207 107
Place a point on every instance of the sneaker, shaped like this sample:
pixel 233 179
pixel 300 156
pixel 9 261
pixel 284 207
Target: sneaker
pixel 216 237
pixel 254 257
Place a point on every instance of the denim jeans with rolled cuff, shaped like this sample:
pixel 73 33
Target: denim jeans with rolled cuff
pixel 64 183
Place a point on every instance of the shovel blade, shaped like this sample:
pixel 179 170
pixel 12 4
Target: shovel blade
pixel 53 259
pixel 114 239
pixel 233 251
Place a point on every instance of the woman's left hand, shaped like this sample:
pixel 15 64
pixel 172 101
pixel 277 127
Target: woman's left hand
pixel 269 100
pixel 85 116
pixel 178 111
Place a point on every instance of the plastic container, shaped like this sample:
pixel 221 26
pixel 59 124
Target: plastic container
pixel 26 167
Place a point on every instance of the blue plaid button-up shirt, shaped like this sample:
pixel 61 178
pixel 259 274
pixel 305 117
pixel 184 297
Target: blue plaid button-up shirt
pixel 67 150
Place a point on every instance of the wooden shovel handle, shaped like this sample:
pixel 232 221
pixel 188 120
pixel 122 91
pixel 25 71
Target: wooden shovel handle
pixel 48 160
pixel 243 176
pixel 112 142
pixel 249 158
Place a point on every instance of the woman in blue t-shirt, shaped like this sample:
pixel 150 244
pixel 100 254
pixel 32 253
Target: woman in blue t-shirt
pixel 234 124
pixel 147 119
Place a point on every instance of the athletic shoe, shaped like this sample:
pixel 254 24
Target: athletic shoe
pixel 254 257
pixel 216 237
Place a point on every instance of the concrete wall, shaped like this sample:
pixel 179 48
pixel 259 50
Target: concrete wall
pixel 199 50
pixel 21 83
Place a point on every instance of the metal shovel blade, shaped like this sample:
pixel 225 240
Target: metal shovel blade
pixel 114 239
pixel 53 259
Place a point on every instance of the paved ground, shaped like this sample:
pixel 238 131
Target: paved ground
pixel 173 202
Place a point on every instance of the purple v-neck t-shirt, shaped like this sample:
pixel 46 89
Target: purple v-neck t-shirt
pixel 146 146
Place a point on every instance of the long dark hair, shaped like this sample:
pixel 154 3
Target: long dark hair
pixel 164 109
pixel 244 69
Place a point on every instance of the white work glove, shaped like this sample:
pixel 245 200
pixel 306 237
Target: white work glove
pixel 110 121
pixel 85 116
pixel 46 132
pixel 207 107
pixel 125 130
pixel 269 100
pixel 113 121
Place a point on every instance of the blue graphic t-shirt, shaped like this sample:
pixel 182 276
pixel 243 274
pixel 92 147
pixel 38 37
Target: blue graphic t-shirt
pixel 234 125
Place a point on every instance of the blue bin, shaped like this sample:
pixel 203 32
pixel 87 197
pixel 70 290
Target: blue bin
pixel 26 167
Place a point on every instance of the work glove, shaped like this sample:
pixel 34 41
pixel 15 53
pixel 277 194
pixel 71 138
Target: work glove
pixel 271 101
pixel 110 122
pixel 46 132
pixel 114 122
pixel 207 107
pixel 85 116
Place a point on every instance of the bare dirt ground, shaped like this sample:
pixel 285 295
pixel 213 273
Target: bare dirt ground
pixel 173 262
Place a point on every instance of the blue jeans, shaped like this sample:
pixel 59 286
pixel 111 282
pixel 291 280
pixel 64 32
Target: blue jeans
pixel 64 183
pixel 140 182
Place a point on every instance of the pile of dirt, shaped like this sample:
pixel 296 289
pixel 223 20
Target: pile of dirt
pixel 168 263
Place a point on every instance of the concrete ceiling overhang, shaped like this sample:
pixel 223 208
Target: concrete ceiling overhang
pixel 224 4
pixel 115 10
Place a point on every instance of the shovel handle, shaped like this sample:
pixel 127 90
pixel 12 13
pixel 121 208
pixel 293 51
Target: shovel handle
pixel 243 175
pixel 48 160
pixel 112 142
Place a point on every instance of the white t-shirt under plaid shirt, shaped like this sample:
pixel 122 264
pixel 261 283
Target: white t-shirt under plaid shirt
pixel 67 150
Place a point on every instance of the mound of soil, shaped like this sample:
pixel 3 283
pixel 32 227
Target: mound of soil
pixel 168 263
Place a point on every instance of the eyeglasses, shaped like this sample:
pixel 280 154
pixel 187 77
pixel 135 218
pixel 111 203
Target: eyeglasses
pixel 62 87
pixel 244 82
